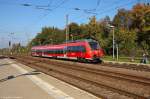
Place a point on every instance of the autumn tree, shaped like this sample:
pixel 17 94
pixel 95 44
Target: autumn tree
pixel 122 19
pixel 141 23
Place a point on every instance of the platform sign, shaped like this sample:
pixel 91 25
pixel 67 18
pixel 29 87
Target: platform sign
pixel 9 43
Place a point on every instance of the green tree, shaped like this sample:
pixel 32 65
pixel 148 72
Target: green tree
pixel 74 31
pixel 126 40
pixel 48 36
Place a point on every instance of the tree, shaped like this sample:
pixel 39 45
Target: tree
pixel 104 24
pixel 93 28
pixel 48 36
pixel 140 14
pixel 122 19
pixel 104 35
pixel 141 23
pixel 74 31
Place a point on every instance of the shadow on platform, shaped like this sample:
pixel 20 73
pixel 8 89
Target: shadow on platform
pixel 13 76
pixel 6 64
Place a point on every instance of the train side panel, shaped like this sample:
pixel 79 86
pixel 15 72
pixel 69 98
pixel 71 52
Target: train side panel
pixel 80 50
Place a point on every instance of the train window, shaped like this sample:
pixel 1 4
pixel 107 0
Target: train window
pixel 60 51
pixel 81 48
pixel 76 49
pixel 33 50
pixel 44 51
pixel 94 45
pixel 69 49
pixel 49 51
pixel 55 51
pixel 38 51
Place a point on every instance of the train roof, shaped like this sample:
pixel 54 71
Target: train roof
pixel 82 40
pixel 61 46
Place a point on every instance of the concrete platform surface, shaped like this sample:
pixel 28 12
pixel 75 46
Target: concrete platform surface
pixel 18 81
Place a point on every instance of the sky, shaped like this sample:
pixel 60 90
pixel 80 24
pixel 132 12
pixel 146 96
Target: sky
pixel 21 20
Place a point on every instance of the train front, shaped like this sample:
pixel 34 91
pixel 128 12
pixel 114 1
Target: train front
pixel 95 51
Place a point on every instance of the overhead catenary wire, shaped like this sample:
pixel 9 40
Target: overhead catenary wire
pixel 46 8
pixel 88 12
pixel 97 5
pixel 60 4
pixel 50 3
pixel 111 5
pixel 114 8
pixel 110 9
pixel 93 12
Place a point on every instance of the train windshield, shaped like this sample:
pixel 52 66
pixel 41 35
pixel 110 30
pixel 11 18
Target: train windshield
pixel 94 45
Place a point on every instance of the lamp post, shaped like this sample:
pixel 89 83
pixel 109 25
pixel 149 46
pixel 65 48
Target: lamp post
pixel 113 30
pixel 117 51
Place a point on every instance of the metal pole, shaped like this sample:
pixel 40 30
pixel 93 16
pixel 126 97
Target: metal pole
pixel 67 37
pixel 51 41
pixel 71 37
pixel 113 43
pixel 117 51
pixel 9 47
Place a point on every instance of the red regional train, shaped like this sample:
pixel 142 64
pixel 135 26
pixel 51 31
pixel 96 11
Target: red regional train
pixel 82 50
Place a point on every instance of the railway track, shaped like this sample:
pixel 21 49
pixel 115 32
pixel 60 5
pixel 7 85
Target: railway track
pixel 106 84
pixel 90 68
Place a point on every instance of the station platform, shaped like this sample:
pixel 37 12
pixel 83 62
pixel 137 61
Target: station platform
pixel 18 81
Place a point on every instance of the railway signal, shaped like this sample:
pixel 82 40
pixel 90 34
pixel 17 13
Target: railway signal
pixel 9 44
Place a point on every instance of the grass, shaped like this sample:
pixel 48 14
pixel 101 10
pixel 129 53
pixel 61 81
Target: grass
pixel 122 59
